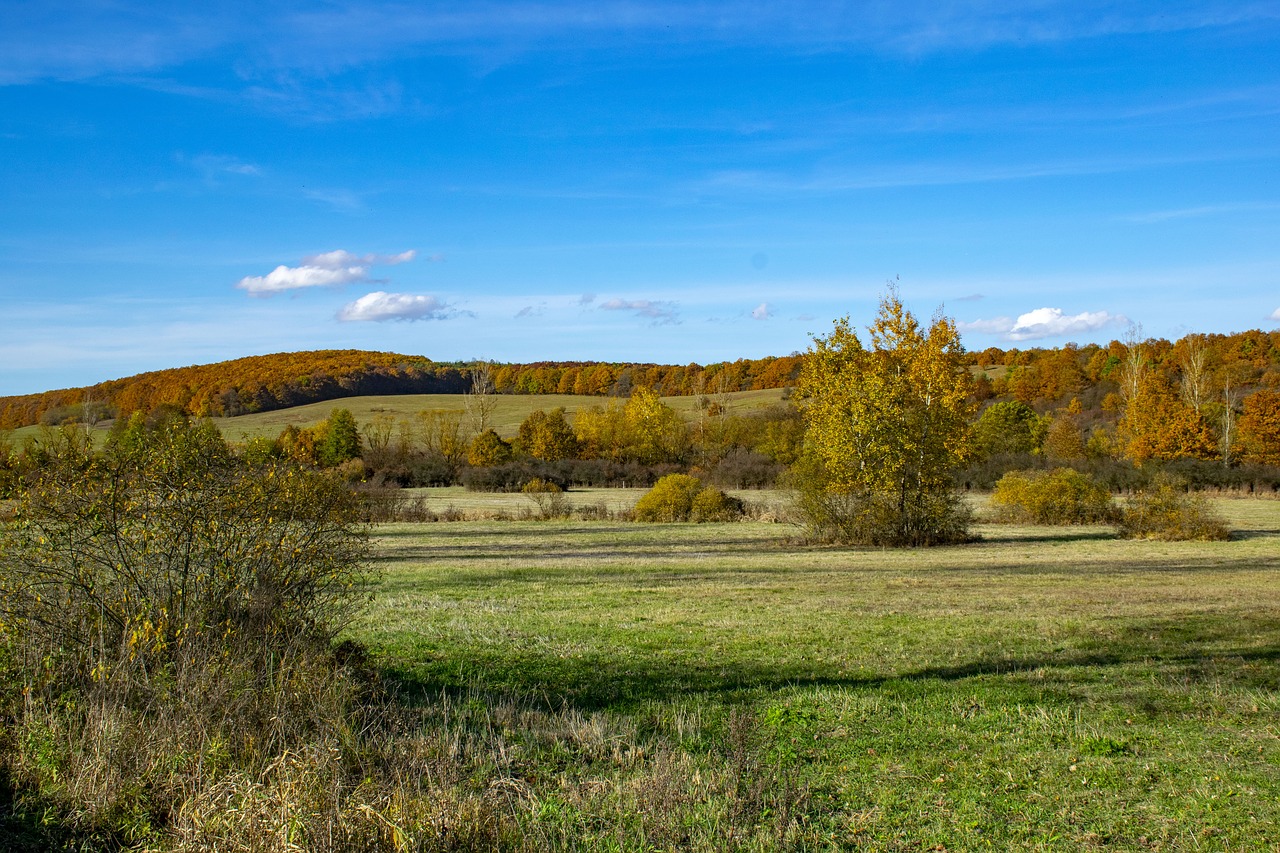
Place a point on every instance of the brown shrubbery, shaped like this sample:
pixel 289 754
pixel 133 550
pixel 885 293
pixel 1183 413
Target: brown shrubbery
pixel 166 617
pixel 1166 510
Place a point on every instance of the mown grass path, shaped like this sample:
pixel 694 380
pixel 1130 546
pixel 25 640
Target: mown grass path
pixel 1045 688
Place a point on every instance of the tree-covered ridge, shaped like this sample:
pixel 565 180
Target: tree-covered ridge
pixel 1202 363
pixel 255 383
pixel 1217 376
pixel 267 382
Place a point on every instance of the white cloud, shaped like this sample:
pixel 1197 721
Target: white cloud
pixel 1052 323
pixel 761 312
pixel 343 258
pixel 1275 315
pixel 1043 323
pixel 327 269
pixel 995 326
pixel 658 312
pixel 293 278
pixel 380 306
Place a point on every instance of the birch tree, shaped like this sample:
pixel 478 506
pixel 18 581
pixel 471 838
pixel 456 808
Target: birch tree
pixel 885 428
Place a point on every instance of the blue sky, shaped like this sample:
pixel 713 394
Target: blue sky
pixel 649 181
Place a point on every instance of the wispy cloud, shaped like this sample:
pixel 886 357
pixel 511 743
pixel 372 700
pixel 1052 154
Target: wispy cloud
pixel 904 27
pixel 1275 316
pixel 994 326
pixel 927 174
pixel 1204 210
pixel 381 306
pixel 1043 323
pixel 214 166
pixel 60 39
pixel 343 201
pixel 328 269
pixel 657 311
pixel 761 312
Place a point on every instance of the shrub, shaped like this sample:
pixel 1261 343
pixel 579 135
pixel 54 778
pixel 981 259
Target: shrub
pixel 680 497
pixel 1060 496
pixel 548 498
pixel 1166 510
pixel 165 603
pixel 874 517
pixel 711 504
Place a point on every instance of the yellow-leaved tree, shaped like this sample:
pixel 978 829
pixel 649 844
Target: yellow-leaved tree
pixel 885 428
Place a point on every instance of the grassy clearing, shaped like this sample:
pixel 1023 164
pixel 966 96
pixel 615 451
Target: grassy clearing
pixel 510 410
pixel 628 687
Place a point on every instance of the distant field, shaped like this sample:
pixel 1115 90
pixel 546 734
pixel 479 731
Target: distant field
pixel 617 686
pixel 510 411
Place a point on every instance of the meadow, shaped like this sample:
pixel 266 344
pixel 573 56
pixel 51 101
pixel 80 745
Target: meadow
pixel 613 686
pixel 509 411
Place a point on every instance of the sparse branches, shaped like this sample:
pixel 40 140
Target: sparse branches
pixel 1195 373
pixel 479 399
pixel 1227 420
pixel 170 540
pixel 377 433
pixel 1134 368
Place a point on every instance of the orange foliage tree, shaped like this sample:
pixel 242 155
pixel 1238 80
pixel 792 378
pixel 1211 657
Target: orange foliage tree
pixel 1158 425
pixel 1260 427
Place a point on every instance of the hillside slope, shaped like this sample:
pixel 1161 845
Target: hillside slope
pixel 269 382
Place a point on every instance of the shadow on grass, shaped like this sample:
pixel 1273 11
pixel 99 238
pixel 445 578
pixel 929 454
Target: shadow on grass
pixel 36 831
pixel 1254 533
pixel 1243 654
pixel 1046 534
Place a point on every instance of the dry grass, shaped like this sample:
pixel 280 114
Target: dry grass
pixel 566 685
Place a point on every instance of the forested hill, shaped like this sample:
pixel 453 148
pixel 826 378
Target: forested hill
pixel 266 382
pixel 1205 370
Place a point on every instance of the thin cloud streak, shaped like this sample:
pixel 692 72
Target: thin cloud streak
pixel 657 311
pixel 1202 211
pixel 934 175
pixel 123 38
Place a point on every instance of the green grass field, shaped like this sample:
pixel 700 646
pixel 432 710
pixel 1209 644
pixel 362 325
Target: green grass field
pixel 614 686
pixel 509 411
